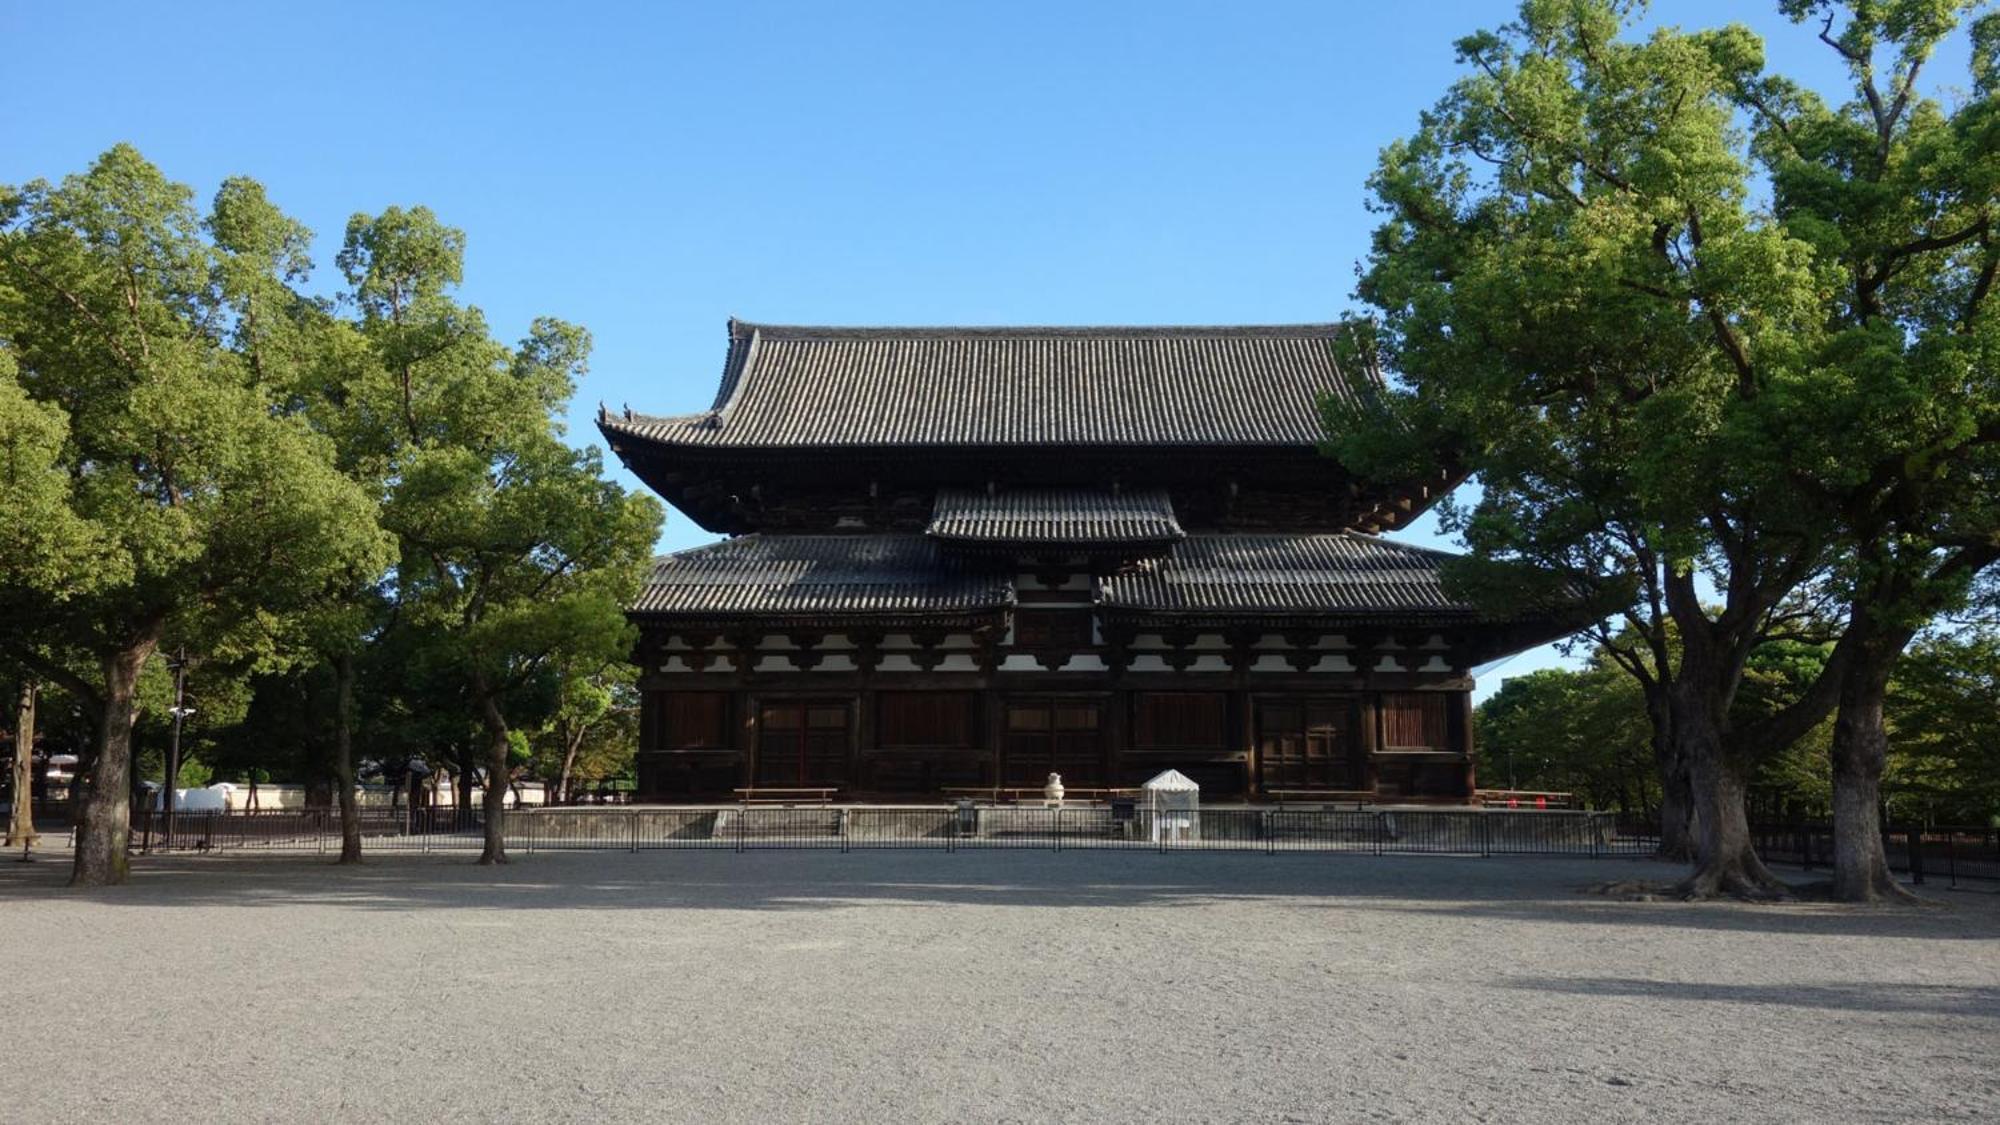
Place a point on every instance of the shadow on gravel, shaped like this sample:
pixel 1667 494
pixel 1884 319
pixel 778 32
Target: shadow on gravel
pixel 1977 1001
pixel 1967 918
pixel 1520 890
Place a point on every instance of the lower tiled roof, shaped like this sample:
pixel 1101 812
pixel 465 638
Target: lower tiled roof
pixel 1070 516
pixel 1257 575
pixel 1328 575
pixel 778 575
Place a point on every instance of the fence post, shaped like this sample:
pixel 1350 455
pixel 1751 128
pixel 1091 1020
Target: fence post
pixel 840 826
pixel 740 817
pixel 1485 835
pixel 1056 815
pixel 1264 826
pixel 1916 839
pixel 1380 829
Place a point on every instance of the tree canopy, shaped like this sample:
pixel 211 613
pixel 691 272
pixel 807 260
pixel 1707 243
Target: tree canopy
pixel 198 452
pixel 1707 340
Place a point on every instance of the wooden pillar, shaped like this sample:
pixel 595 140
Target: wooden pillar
pixel 861 742
pixel 1243 720
pixel 745 702
pixel 1464 741
pixel 1371 738
pixel 1117 735
pixel 994 719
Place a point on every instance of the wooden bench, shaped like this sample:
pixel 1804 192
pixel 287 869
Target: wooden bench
pixel 1356 797
pixel 1000 795
pixel 1525 798
pixel 762 795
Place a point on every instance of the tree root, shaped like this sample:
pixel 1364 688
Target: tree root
pixel 1729 881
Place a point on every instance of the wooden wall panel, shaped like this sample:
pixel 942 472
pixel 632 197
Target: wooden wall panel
pixel 923 719
pixel 1416 720
pixel 1180 720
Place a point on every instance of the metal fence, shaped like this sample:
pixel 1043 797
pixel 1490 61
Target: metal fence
pixel 1934 853
pixel 944 828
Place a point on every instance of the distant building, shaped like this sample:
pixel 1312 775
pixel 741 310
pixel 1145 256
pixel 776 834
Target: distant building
pixel 970 557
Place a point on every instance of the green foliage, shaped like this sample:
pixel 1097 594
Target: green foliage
pixel 1582 732
pixel 1945 729
pixel 1586 732
pixel 1686 318
pixel 205 509
pixel 44 543
pixel 194 452
pixel 593 734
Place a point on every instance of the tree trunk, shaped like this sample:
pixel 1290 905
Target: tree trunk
pixel 572 744
pixel 107 806
pixel 1726 863
pixel 21 821
pixel 1860 751
pixel 461 785
pixel 343 758
pixel 1676 801
pixel 496 778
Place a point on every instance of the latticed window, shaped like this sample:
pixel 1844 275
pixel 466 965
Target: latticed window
pixel 926 719
pixel 1054 735
pixel 1180 721
pixel 687 720
pixel 1416 720
pixel 803 742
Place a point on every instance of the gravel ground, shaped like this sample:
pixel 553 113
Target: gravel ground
pixel 979 986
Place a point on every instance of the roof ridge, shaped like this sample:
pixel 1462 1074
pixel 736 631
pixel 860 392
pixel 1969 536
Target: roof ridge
pixel 742 329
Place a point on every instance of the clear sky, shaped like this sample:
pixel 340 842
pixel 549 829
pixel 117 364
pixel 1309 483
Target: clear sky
pixel 649 170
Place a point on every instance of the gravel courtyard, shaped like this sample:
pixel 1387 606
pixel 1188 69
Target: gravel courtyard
pixel 979 986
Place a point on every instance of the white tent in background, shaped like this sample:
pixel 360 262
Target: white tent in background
pixel 1173 807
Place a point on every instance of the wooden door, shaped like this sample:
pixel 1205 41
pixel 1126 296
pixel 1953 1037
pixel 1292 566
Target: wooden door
pixel 1306 743
pixel 803 742
pixel 1053 735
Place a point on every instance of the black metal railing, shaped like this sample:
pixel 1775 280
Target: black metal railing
pixel 1952 854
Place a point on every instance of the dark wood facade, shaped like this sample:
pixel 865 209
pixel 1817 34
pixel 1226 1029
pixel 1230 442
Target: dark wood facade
pixel 940 596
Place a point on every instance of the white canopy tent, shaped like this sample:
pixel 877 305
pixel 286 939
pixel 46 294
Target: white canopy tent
pixel 1173 807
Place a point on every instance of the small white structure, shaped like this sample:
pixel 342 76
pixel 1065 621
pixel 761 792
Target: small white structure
pixel 214 799
pixel 1173 807
pixel 1053 791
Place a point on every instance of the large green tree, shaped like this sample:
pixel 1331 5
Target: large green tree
pixel 1690 323
pixel 1581 300
pixel 1890 420
pixel 208 507
pixel 515 554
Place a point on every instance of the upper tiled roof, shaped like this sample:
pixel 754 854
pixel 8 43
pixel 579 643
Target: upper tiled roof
pixel 1068 516
pixel 803 386
pixel 1337 574
pixel 857 575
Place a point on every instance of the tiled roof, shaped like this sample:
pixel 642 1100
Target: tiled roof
pixel 1337 574
pixel 1078 516
pixel 861 575
pixel 818 574
pixel 804 386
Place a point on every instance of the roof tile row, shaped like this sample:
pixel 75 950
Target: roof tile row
pixel 1253 575
pixel 1070 516
pixel 804 386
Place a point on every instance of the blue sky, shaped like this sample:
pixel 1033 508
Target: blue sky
pixel 651 169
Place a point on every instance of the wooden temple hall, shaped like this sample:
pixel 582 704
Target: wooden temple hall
pixel 963 558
